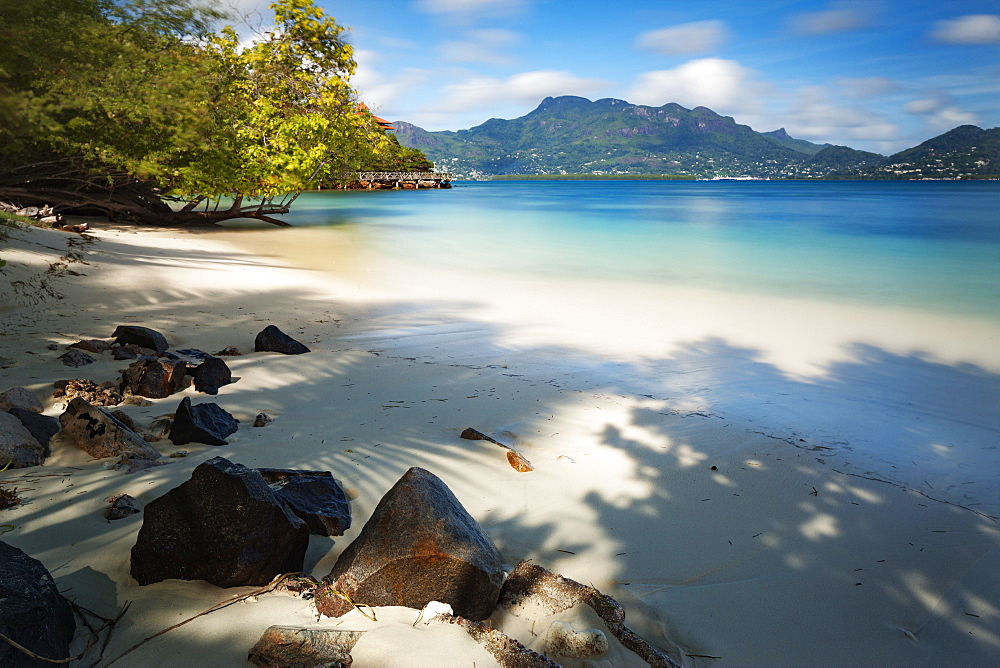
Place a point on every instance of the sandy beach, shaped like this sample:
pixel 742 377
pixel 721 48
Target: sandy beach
pixel 758 481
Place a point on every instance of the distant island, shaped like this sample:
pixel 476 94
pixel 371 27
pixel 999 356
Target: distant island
pixel 575 137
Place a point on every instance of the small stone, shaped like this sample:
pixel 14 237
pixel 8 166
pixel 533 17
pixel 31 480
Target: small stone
pixel 272 339
pixel 20 397
pixel 125 353
pixel 229 351
pixel 154 378
pixel 101 435
pixel 76 357
pixel 261 420
pixel 205 423
pixel 140 336
pixel 211 374
pixel 91 345
pixel 179 454
pixel 292 646
pixel 122 506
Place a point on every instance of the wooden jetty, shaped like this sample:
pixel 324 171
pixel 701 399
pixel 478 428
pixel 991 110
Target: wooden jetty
pixel 403 180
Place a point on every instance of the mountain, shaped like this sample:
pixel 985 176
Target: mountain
pixel 963 151
pixel 572 135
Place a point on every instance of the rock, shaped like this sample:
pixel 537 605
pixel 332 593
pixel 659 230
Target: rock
pixel 211 374
pixel 314 496
pixel 75 357
pixel 420 545
pixel 154 378
pixel 124 353
pixel 291 646
pixel 18 448
pixel 229 351
pixel 224 525
pixel 261 420
pixel 130 464
pixel 272 339
pixel 42 427
pixel 91 345
pixel 140 336
pixel 20 397
pixel 103 394
pixel 32 613
pixel 122 506
pixel 125 419
pixel 205 423
pixel 101 435
pixel 6 363
pixel 563 640
pixel 192 356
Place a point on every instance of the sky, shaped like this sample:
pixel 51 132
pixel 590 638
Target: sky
pixel 878 75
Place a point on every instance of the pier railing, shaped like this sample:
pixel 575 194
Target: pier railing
pixel 405 179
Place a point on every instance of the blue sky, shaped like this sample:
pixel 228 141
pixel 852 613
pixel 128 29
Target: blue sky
pixel 880 75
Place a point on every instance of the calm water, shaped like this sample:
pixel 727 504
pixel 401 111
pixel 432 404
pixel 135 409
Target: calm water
pixel 928 245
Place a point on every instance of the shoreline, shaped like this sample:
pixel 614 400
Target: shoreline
pixel 742 562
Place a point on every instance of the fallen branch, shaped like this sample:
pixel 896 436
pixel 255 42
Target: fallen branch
pixel 508 652
pixel 532 587
pixel 218 606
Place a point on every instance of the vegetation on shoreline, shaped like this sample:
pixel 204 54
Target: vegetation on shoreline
pixel 142 111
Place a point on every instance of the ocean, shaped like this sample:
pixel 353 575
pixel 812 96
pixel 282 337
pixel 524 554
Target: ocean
pixel 929 245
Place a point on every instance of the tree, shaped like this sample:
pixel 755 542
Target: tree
pixel 141 104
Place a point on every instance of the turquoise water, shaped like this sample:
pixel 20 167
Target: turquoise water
pixel 932 245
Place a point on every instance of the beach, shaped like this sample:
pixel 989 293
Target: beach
pixel 704 457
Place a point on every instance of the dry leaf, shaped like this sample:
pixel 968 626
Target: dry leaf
pixel 518 462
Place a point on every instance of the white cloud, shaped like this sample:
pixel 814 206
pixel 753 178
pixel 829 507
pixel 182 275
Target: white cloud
pixel 868 86
pixel 383 93
pixel 840 17
pixel 815 113
pixel 523 88
pixel 685 38
pixel 971 29
pixel 939 114
pixel 924 106
pixel 470 8
pixel 722 85
pixel 492 47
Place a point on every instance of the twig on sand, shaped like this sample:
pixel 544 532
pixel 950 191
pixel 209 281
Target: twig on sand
pixel 218 606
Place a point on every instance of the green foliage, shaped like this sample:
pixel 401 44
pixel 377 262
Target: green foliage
pixel 144 88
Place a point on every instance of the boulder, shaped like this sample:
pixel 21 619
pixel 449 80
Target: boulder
pixel 211 374
pixel 224 525
pixel 18 448
pixel 140 336
pixel 420 545
pixel 314 496
pixel 42 427
pixel 100 434
pixel 20 397
pixel 155 378
pixel 205 423
pixel 75 357
pixel 32 612
pixel 272 339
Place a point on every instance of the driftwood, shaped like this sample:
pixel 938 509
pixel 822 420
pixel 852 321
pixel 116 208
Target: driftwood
pixel 531 587
pixel 514 458
pixel 291 646
pixel 508 652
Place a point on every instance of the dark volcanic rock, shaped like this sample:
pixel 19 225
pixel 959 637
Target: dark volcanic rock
pixel 205 423
pixel 154 378
pixel 18 448
pixel 211 374
pixel 100 434
pixel 314 496
pixel 140 336
pixel 92 345
pixel 122 506
pixel 20 397
pixel 32 612
pixel 272 339
pixel 224 525
pixel 76 357
pixel 125 353
pixel 103 394
pixel 420 545
pixel 42 427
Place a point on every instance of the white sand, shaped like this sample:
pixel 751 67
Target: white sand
pixel 832 531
